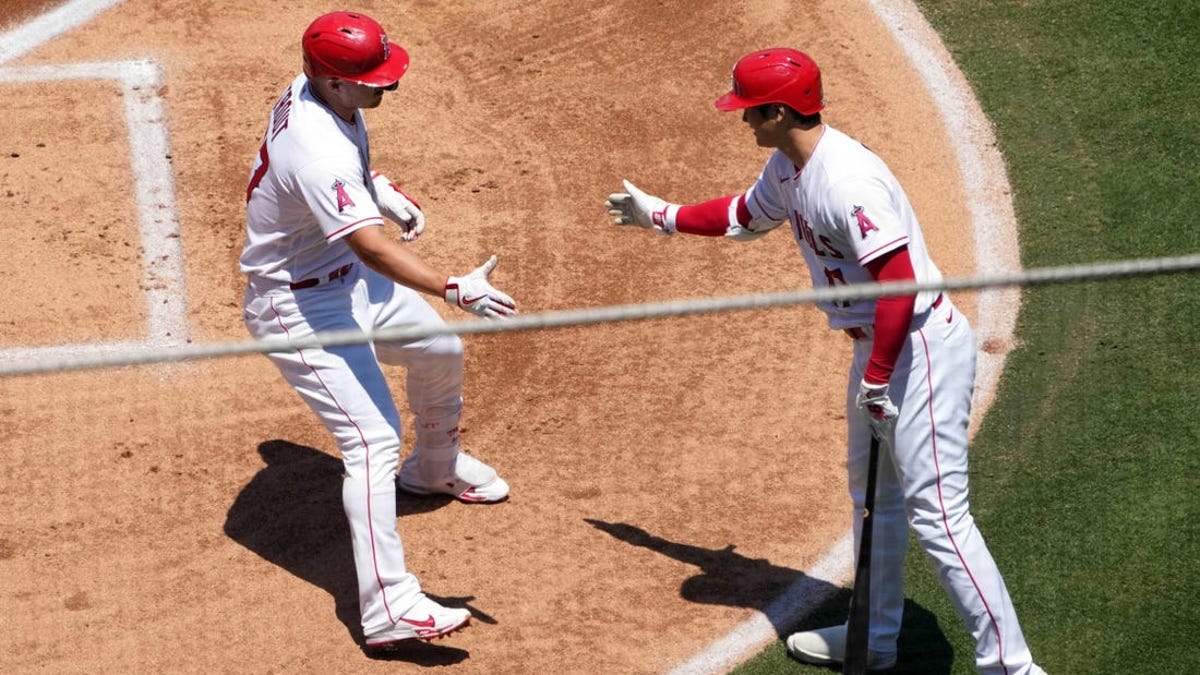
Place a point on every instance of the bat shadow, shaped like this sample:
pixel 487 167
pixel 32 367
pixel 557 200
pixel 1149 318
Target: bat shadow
pixel 789 599
pixel 290 514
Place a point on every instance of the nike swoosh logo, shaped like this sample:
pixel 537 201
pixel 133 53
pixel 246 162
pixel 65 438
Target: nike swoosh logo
pixel 427 623
pixel 471 301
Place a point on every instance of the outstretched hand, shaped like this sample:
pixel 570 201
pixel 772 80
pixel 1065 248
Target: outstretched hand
pixel 474 293
pixel 634 207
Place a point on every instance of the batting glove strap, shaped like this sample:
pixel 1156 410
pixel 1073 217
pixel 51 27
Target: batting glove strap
pixel 664 218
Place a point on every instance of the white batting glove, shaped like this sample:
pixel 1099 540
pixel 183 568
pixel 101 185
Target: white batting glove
pixel 398 207
pixel 475 294
pixel 877 408
pixel 634 207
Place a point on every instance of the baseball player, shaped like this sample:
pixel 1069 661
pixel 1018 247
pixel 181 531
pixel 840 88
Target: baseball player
pixel 914 356
pixel 317 258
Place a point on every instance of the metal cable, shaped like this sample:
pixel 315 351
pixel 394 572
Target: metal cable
pixel 596 315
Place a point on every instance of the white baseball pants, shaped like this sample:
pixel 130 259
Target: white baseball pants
pixel 347 389
pixel 922 481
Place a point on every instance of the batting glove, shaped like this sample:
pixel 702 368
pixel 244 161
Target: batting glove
pixel 398 207
pixel 475 294
pixel 877 408
pixel 634 207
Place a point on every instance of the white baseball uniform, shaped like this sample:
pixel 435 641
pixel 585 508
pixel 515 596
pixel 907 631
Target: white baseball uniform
pixel 309 188
pixel 847 209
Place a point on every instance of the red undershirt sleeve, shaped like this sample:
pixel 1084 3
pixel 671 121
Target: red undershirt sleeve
pixel 893 315
pixel 710 219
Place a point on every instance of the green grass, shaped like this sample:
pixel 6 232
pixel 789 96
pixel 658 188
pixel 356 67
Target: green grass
pixel 1086 473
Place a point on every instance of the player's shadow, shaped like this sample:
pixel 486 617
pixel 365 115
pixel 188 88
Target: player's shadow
pixel 729 578
pixel 291 515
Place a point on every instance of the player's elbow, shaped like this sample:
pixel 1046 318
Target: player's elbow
pixel 369 244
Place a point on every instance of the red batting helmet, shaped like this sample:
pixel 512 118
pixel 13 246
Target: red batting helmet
pixel 778 75
pixel 352 47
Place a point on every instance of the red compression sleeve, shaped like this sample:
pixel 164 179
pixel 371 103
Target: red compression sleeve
pixel 709 219
pixel 893 315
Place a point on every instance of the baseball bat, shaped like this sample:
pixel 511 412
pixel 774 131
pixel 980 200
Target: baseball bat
pixel 855 659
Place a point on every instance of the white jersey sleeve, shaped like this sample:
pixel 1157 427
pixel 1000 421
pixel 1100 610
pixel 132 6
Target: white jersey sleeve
pixel 338 197
pixel 767 210
pixel 763 199
pixel 861 211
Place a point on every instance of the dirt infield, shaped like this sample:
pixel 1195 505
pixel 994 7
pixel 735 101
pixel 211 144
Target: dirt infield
pixel 669 477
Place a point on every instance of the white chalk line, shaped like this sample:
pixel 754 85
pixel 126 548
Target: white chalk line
pixel 994 227
pixel 813 588
pixel 163 276
pixel 44 28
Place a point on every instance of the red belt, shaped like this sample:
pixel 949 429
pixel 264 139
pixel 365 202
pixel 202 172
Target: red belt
pixel 860 333
pixel 309 283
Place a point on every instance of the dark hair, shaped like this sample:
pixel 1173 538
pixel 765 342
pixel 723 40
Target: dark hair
pixel 801 120
pixel 764 109
pixel 807 120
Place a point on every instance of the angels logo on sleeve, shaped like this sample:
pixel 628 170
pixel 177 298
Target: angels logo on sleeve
pixel 343 199
pixel 865 226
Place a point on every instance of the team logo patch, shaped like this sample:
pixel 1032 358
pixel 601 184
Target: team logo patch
pixel 343 199
pixel 865 226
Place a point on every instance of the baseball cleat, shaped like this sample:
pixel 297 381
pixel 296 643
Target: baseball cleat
pixel 426 620
pixel 472 481
pixel 827 647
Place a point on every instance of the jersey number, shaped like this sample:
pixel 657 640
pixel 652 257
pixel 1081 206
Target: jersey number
pixel 259 171
pixel 835 278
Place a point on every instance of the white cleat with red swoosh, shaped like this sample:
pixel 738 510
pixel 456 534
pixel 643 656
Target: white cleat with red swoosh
pixel 426 620
pixel 471 481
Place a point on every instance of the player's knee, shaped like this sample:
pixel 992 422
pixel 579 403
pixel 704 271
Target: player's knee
pixel 445 348
pixel 435 376
pixel 931 523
